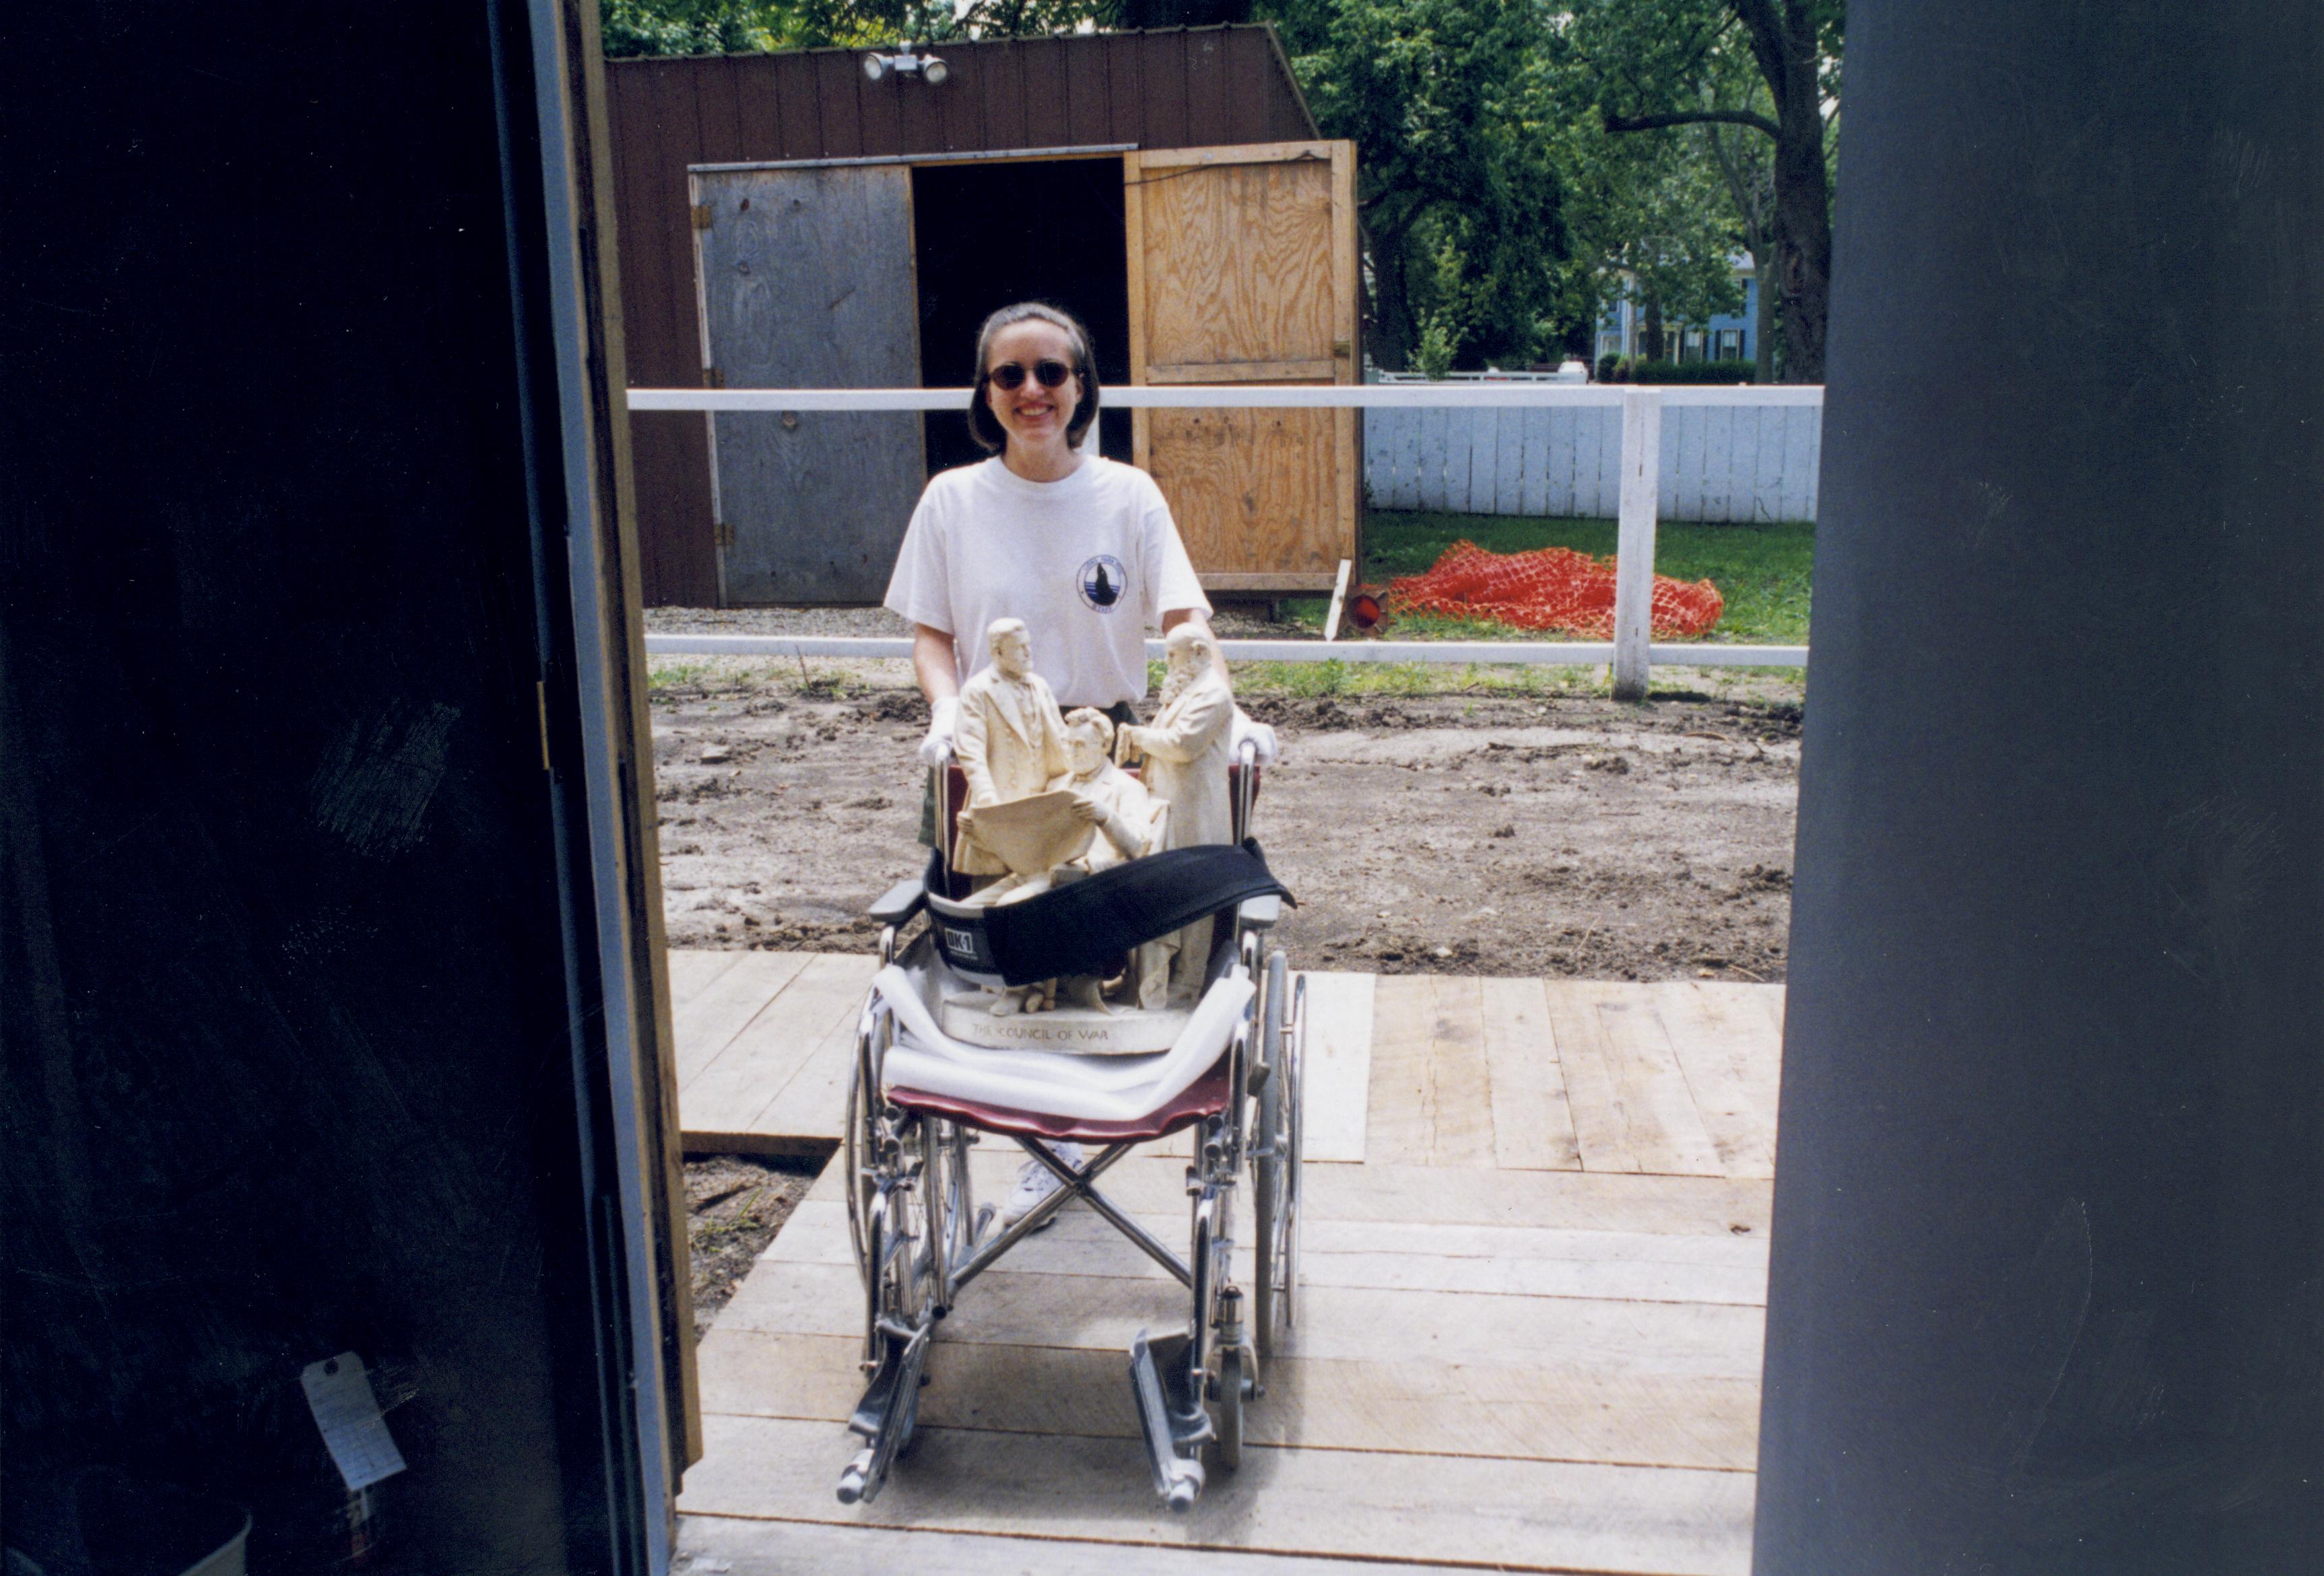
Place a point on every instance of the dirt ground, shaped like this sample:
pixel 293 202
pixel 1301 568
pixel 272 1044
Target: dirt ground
pixel 1559 835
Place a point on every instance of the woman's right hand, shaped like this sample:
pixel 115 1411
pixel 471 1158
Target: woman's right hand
pixel 943 716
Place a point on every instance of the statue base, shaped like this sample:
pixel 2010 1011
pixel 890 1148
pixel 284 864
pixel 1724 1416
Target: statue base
pixel 1125 1032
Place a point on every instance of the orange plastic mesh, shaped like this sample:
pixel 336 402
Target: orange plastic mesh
pixel 1552 588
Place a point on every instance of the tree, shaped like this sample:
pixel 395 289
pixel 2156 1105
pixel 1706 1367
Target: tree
pixel 1660 64
pixel 705 27
pixel 1447 103
pixel 1650 219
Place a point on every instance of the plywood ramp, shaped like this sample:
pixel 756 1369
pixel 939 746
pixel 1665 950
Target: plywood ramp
pixel 1534 1254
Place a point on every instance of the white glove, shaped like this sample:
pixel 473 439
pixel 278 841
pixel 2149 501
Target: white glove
pixel 937 748
pixel 1260 734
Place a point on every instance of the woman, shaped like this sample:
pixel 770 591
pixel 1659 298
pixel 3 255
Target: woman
pixel 1080 548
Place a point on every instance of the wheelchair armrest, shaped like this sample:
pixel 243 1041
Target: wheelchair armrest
pixel 900 902
pixel 1259 913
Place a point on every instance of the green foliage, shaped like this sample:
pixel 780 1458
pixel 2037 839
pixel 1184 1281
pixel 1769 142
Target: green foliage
pixel 1460 192
pixel 711 27
pixel 1692 372
pixel 1433 358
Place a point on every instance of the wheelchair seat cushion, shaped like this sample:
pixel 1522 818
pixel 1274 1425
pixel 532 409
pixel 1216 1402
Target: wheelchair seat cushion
pixel 1081 927
pixel 1057 1083
pixel 1205 1097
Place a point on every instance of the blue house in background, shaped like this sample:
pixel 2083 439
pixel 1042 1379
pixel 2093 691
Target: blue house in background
pixel 1729 337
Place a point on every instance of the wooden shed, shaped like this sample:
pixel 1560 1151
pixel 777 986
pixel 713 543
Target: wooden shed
pixel 788 222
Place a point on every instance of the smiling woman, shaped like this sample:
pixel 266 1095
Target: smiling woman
pixel 1081 547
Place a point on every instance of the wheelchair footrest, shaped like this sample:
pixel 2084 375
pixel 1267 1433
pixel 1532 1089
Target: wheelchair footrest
pixel 886 1414
pixel 1171 1416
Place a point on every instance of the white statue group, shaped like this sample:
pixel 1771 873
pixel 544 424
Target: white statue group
pixel 1049 803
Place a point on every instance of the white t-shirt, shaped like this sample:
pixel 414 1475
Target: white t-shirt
pixel 1090 562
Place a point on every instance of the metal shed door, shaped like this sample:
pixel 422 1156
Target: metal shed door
pixel 804 281
pixel 1242 270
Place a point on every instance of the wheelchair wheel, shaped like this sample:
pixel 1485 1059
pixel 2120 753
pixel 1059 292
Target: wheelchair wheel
pixel 1231 1383
pixel 1269 1192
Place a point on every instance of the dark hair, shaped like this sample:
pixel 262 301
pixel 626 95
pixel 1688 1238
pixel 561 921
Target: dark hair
pixel 983 425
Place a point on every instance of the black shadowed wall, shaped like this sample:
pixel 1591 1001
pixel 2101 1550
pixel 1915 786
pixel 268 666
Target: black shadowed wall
pixel 2048 1285
pixel 290 1050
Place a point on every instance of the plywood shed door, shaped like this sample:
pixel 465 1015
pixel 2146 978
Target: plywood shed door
pixel 804 281
pixel 1242 270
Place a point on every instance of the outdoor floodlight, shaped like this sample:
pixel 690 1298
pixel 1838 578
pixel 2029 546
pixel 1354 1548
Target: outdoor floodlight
pixel 927 67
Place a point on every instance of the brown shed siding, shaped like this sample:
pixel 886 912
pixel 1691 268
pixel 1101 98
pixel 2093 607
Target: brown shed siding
pixel 1178 88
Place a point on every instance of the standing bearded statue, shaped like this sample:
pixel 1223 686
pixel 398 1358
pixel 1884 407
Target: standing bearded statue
pixel 1186 748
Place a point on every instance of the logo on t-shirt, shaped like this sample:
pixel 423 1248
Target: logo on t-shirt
pixel 1103 582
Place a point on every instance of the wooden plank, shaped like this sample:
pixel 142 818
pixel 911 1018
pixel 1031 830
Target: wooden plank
pixel 1485 463
pixel 1632 1111
pixel 1438 1409
pixel 1240 372
pixel 839 117
pixel 1802 426
pixel 1430 1086
pixel 1009 111
pixel 1429 461
pixel 1509 478
pixel 1666 1130
pixel 1337 1067
pixel 1089 113
pixel 1408 485
pixel 1251 73
pixel 1772 999
pixel 1717 462
pixel 756 106
pixel 731 1093
pixel 1125 87
pixel 814 1103
pixel 1499 1261
pixel 796 1548
pixel 1517 1514
pixel 797 107
pixel 919 114
pixel 1446 1195
pixel 1459 455
pixel 708 1022
pixel 1729 1053
pixel 1162 73
pixel 719 107
pixel 1206 89
pixel 1533 1126
pixel 1768 468
pixel 1594 1096
pixel 1560 491
pixel 692 968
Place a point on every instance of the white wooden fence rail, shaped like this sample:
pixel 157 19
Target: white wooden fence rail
pixel 1636 416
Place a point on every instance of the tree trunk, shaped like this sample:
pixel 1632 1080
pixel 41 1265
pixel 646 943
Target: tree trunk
pixel 1763 314
pixel 1654 344
pixel 1803 200
pixel 1390 341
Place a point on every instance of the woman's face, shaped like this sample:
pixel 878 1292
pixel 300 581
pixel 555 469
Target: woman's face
pixel 1028 413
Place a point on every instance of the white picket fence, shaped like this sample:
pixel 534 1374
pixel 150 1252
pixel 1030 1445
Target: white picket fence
pixel 1717 462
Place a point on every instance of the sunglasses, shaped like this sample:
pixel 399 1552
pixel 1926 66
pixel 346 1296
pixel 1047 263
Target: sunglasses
pixel 1049 374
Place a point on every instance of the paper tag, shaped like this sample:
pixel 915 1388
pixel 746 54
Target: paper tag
pixel 338 1393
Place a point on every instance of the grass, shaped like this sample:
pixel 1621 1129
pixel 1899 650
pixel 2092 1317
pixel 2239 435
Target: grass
pixel 1763 571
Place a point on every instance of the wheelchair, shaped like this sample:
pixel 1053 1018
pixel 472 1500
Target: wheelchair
pixel 919 1103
